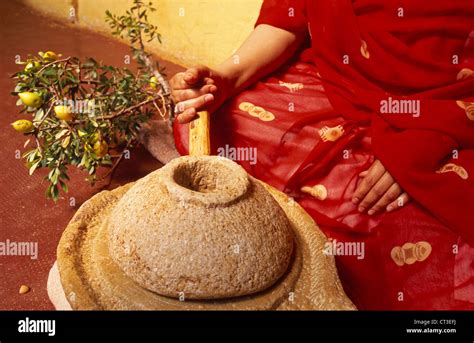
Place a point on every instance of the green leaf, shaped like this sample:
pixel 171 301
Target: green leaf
pixel 39 114
pixel 55 193
pixel 85 162
pixel 65 142
pixel 34 166
pixel 32 156
pixel 52 192
pixel 48 191
pixel 61 133
pixel 54 177
pixel 64 186
pixel 64 176
pixel 50 71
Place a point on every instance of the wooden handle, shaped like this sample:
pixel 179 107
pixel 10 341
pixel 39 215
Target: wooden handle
pixel 199 138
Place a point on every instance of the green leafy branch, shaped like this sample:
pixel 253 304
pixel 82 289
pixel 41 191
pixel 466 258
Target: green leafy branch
pixel 86 114
pixel 135 26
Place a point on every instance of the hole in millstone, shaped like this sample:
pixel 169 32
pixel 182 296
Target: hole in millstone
pixel 202 176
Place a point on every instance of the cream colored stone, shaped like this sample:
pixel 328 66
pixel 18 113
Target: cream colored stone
pixel 174 232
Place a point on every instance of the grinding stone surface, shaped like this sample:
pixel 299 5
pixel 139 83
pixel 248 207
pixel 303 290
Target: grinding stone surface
pixel 200 228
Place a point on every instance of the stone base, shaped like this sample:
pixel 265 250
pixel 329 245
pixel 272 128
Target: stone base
pixel 56 291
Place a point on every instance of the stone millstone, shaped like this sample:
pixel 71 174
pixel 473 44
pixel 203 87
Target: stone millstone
pixel 200 228
pixel 170 242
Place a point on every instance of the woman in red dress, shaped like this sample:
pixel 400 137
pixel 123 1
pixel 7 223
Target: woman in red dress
pixel 363 111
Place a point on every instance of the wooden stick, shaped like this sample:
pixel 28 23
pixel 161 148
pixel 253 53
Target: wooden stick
pixel 199 138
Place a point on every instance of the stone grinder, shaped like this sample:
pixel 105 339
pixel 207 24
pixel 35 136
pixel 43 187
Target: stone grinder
pixel 197 234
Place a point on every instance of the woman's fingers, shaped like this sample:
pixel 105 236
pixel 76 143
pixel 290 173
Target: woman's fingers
pixel 187 115
pixel 192 78
pixel 184 107
pixel 177 82
pixel 209 81
pixel 196 75
pixel 390 195
pixel 197 103
pixel 401 201
pixel 376 192
pixel 193 90
pixel 374 173
pixel 187 94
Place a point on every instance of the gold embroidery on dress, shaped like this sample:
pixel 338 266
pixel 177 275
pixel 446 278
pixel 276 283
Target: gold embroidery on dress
pixel 468 107
pixel 363 49
pixel 256 111
pixel 246 106
pixel 293 87
pixel 465 73
pixel 266 116
pixel 319 191
pixel 331 134
pixel 410 253
pixel 451 167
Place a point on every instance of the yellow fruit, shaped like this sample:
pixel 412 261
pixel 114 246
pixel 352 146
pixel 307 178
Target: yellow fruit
pixel 63 112
pixel 22 125
pixel 95 137
pixel 32 65
pixel 101 148
pixel 31 99
pixel 153 82
pixel 50 56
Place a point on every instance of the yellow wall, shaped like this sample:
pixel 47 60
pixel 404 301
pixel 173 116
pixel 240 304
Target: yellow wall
pixel 56 8
pixel 193 31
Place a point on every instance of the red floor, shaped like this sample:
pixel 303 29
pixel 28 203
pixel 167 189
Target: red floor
pixel 25 214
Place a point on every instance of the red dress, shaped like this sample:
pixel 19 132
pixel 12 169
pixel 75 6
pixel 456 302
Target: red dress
pixel 391 80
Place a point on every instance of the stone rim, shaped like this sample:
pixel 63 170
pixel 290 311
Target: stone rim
pixel 204 180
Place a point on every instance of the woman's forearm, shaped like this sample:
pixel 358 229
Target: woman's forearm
pixel 201 88
pixel 264 51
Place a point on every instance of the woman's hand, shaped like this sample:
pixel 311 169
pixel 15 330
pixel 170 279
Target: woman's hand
pixel 204 89
pixel 378 190
pixel 198 89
